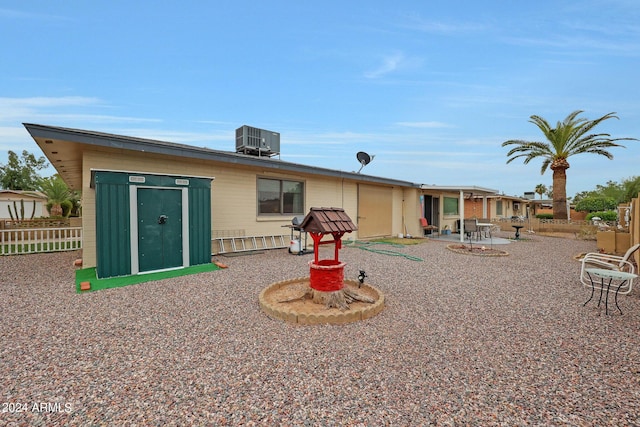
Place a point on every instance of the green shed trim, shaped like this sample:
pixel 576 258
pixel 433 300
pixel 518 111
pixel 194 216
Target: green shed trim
pixel 133 233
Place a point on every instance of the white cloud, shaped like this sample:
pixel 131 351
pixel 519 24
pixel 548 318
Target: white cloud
pixel 15 14
pixel 579 45
pixel 423 124
pixel 389 64
pixel 59 110
pixel 417 23
pixel 21 108
pixel 41 101
pixel 189 138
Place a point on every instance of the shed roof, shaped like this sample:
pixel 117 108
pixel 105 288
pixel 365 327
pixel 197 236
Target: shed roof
pixel 328 220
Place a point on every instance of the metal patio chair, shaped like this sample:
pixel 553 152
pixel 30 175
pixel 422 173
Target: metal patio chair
pixel 471 228
pixel 623 263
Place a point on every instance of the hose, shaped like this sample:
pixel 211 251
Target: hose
pixel 370 246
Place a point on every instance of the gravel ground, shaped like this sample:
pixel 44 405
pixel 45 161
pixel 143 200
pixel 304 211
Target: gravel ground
pixel 463 340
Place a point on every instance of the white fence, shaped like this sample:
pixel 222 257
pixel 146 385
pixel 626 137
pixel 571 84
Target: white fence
pixel 35 240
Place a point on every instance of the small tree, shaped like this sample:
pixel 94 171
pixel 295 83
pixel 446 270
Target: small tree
pixel 540 189
pixel 76 203
pixel 620 192
pixel 595 204
pixel 631 188
pixel 20 173
pixel 568 138
pixel 57 193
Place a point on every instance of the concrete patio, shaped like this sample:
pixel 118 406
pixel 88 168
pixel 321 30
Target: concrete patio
pixel 495 239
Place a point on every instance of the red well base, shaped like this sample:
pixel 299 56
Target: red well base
pixel 327 275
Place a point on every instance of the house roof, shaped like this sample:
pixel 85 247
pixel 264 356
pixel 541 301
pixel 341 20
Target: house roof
pixel 64 146
pixel 327 221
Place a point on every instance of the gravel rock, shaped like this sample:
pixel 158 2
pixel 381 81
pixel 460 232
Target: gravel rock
pixel 463 340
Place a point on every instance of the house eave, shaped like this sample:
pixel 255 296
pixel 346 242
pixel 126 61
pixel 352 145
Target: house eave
pixel 43 133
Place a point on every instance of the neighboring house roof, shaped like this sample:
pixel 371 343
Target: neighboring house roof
pixel 472 189
pixel 513 198
pixel 24 193
pixel 63 147
pixel 542 201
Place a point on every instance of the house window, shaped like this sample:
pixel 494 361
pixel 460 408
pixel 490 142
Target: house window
pixel 450 206
pixel 280 197
pixel 499 207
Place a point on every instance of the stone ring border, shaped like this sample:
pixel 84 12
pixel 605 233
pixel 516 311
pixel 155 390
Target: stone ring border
pixel 349 316
pixel 466 251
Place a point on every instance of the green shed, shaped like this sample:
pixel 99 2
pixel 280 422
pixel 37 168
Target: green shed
pixel 150 222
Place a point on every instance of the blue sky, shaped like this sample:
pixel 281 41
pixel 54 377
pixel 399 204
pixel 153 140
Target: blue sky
pixel 430 88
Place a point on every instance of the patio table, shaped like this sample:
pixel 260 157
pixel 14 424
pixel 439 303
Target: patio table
pixel 603 273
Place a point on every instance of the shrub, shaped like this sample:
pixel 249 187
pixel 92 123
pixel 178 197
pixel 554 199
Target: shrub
pixel 604 215
pixel 596 204
pixel 544 216
pixel 66 208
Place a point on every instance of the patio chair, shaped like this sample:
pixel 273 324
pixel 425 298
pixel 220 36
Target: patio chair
pixel 427 227
pixel 486 230
pixel 623 263
pixel 471 228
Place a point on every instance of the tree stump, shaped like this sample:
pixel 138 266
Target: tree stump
pixel 339 299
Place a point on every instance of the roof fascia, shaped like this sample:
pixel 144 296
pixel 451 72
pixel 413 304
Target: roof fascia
pixel 180 150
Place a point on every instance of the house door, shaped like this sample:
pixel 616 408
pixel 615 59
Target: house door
pixel 159 229
pixel 375 209
pixel 432 209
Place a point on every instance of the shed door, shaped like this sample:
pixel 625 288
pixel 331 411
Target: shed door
pixel 375 207
pixel 159 229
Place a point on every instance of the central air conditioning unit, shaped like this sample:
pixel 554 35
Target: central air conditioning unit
pixel 257 142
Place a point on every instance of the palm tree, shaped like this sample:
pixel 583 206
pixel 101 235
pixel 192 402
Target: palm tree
pixel 541 189
pixel 568 138
pixel 56 191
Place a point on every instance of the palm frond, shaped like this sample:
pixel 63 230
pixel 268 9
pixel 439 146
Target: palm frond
pixel 55 189
pixel 545 165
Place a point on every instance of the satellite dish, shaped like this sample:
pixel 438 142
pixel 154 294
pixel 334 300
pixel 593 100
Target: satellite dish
pixel 364 159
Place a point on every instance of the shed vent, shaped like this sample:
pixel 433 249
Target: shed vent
pixel 257 142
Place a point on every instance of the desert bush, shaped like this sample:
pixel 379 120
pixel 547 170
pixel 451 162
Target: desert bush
pixel 603 215
pixel 544 216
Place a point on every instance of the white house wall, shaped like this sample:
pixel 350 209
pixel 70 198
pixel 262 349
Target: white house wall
pixel 6 203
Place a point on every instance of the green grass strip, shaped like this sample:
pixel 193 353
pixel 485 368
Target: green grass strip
pixel 89 275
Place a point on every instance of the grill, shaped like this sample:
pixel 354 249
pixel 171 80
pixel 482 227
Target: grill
pixel 296 221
